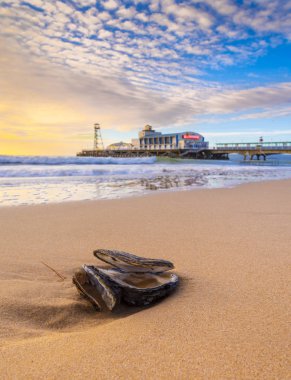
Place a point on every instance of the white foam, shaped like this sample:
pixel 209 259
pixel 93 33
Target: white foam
pixel 60 160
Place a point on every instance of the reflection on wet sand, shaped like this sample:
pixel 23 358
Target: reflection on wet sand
pixel 168 182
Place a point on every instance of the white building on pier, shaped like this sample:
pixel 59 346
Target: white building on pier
pixel 150 139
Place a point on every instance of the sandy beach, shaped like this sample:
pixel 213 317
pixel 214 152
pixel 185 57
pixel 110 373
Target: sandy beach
pixel 227 320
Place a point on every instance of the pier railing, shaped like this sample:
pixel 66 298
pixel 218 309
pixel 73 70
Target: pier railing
pixel 255 146
pixel 252 150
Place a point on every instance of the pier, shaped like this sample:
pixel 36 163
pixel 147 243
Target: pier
pixel 249 151
pixel 185 145
pixel 203 153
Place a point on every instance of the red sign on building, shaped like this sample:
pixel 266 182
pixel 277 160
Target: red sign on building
pixel 191 137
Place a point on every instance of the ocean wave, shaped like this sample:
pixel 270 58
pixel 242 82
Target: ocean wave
pixel 41 172
pixel 53 171
pixel 60 160
pixel 123 172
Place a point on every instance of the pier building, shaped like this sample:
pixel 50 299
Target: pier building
pixel 151 143
pixel 149 139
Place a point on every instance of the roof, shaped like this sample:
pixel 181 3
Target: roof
pixel 159 134
pixel 120 144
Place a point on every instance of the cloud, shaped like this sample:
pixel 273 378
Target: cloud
pixel 223 7
pixel 126 63
pixel 126 12
pixel 110 4
pixel 250 99
pixel 183 13
pixel 249 134
pixel 55 98
pixel 172 32
pixel 122 102
pixel 273 113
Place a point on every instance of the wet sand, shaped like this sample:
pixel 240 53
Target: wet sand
pixel 227 320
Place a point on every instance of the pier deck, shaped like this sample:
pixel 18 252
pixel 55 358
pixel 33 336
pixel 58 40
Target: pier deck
pixel 221 152
pixel 172 153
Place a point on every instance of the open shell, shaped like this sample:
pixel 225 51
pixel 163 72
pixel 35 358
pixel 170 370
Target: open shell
pixel 135 280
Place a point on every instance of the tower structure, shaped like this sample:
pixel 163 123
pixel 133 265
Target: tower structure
pixel 98 142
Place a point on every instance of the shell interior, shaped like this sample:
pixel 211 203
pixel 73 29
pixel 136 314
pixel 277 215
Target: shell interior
pixel 88 291
pixel 134 280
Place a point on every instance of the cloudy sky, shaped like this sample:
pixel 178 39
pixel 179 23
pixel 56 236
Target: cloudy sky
pixel 218 67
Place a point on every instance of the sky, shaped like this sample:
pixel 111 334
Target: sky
pixel 218 67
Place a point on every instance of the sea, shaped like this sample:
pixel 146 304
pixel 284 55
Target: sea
pixel 30 180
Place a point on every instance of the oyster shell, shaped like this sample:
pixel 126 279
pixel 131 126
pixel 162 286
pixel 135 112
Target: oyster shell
pixel 135 280
pixel 128 262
